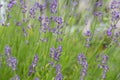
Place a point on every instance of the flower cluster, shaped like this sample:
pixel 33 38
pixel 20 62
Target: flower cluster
pixel 33 65
pixel 11 61
pixel 103 64
pixel 113 30
pixel 98 12
pixel 59 75
pixel 16 77
pixel 36 78
pixel 7 51
pixel 11 4
pixel 55 53
pixel 23 6
pixel 83 62
pixel 53 6
pixel 88 39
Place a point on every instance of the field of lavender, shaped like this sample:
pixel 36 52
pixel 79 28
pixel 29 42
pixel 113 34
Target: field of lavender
pixel 60 40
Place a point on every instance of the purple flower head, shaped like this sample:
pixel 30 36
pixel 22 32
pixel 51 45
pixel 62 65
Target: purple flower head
pixel 12 62
pixel 59 76
pixel 115 4
pixel 115 15
pixel 23 6
pixel 18 24
pixel 55 53
pixel 36 78
pixel 59 20
pixel 109 32
pixel 32 12
pixel 42 7
pixel 16 77
pixel 33 65
pixel 58 68
pixel 98 14
pixel 35 61
pixel 7 51
pixel 53 6
pixel 11 3
pixel 84 64
pixel 98 4
pixel 31 70
pixel 103 65
pixel 59 49
pixel 88 33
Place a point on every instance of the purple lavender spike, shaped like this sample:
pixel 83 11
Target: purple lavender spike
pixel 12 62
pixel 7 51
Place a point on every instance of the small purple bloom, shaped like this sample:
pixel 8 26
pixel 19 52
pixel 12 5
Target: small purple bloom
pixel 55 53
pixel 84 64
pixel 99 14
pixel 7 51
pixel 33 65
pixel 58 68
pixel 98 4
pixel 12 62
pixel 16 77
pixel 53 6
pixel 88 33
pixel 59 20
pixel 109 33
pixel 59 76
pixel 36 78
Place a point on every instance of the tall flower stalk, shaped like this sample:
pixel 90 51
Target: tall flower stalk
pixel 82 60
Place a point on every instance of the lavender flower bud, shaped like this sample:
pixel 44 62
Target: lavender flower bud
pixel 55 53
pixel 58 68
pixel 36 78
pixel 7 51
pixel 53 6
pixel 33 65
pixel 59 76
pixel 84 64
pixel 12 62
pixel 103 65
pixel 16 77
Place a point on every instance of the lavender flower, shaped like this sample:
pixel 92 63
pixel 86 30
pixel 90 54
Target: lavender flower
pixel 32 12
pixel 109 31
pixel 7 51
pixel 11 3
pixel 12 62
pixel 23 6
pixel 16 77
pixel 55 53
pixel 59 20
pixel 83 62
pixel 59 76
pixel 99 3
pixel 99 14
pixel 36 78
pixel 103 65
pixel 53 6
pixel 88 33
pixel 33 65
